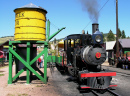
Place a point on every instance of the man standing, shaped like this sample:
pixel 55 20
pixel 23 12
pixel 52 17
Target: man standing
pixel 41 65
pixel 39 62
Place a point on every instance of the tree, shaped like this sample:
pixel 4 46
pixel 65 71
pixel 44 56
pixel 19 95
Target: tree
pixel 119 33
pixel 123 34
pixel 110 36
pixel 104 39
pixel 128 37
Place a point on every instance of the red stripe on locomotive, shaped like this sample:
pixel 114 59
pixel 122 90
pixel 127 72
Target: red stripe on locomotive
pixel 82 75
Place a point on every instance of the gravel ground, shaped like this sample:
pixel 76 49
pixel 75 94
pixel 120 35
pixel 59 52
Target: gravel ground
pixel 37 88
pixel 122 80
pixel 58 84
pixel 64 84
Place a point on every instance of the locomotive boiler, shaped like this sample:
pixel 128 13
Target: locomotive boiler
pixel 83 56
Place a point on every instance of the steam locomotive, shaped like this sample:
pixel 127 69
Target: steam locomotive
pixel 83 56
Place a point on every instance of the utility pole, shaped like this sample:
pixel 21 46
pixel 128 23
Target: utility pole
pixel 117 43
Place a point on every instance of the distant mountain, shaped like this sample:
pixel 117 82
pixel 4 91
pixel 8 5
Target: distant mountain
pixel 6 38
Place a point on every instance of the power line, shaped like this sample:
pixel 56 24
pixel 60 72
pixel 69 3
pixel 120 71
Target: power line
pixel 54 25
pixel 98 13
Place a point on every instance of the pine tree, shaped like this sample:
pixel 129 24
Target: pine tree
pixel 119 33
pixel 128 37
pixel 123 34
pixel 110 36
pixel 104 39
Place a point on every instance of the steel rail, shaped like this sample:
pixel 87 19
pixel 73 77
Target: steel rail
pixel 113 93
pixel 95 93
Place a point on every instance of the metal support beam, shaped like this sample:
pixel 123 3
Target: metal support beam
pixel 56 33
pixel 45 62
pixel 28 61
pixel 26 64
pixel 10 65
pixel 22 70
pixel 16 64
pixel 48 30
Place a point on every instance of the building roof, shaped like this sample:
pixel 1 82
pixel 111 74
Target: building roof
pixel 110 45
pixel 4 43
pixel 31 6
pixel 125 43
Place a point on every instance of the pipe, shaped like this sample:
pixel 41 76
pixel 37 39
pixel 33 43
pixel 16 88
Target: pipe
pixel 48 30
pixel 56 33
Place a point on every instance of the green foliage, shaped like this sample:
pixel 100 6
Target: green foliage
pixel 51 51
pixel 104 39
pixel 39 86
pixel 123 34
pixel 23 94
pixel 110 36
pixel 119 33
pixel 1 74
pixel 49 45
pixel 128 37
pixel 10 95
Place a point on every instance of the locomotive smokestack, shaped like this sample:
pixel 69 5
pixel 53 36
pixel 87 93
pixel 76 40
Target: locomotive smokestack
pixel 94 27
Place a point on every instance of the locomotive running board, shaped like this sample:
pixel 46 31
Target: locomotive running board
pixel 87 87
pixel 84 87
pixel 83 75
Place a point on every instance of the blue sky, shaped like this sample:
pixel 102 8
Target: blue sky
pixel 69 14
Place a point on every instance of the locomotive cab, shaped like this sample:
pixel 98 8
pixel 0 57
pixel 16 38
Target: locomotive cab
pixel 73 44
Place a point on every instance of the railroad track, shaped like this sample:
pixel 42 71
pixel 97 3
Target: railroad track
pixel 106 92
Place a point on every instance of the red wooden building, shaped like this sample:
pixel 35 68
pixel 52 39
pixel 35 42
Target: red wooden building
pixel 4 50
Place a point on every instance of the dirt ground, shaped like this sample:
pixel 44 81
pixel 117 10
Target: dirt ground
pixel 20 88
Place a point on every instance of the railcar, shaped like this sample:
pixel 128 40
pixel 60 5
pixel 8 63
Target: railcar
pixel 83 56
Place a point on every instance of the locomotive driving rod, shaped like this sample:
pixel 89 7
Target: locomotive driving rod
pixel 48 31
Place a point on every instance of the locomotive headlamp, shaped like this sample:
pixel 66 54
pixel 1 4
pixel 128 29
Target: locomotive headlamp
pixel 98 38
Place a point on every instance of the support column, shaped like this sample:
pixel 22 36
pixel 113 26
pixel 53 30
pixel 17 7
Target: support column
pixel 16 67
pixel 10 64
pixel 45 61
pixel 28 61
pixel 31 74
pixel 16 64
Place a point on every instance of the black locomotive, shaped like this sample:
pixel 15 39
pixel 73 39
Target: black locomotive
pixel 83 56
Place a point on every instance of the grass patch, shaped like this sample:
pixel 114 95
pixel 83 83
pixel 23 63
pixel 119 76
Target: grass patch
pixel 17 95
pixel 1 74
pixel 4 66
pixel 10 95
pixel 39 86
pixel 23 94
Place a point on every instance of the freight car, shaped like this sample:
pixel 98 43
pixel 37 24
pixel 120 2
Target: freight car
pixel 83 56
